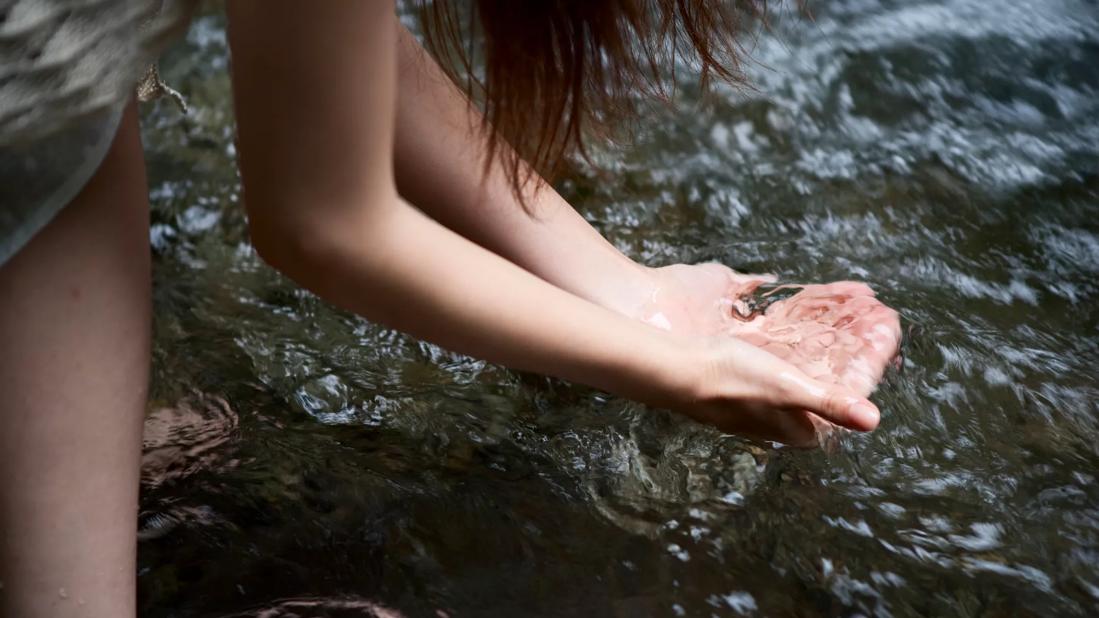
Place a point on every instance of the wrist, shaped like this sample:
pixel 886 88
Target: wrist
pixel 630 291
pixel 673 374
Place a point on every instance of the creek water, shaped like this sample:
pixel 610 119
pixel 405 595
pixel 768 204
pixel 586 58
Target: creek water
pixel 946 152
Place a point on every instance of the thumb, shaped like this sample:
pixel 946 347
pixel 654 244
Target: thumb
pixel 835 403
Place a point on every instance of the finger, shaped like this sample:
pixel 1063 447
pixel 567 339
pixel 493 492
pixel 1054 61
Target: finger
pixel 788 427
pixel 745 333
pixel 834 403
pixel 861 376
pixel 740 278
pixel 885 335
pixel 845 288
pixel 855 288
pixel 820 426
pixel 796 428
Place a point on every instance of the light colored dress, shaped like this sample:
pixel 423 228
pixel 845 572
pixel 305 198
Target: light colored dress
pixel 67 69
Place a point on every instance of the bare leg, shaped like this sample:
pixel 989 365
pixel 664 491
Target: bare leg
pixel 74 357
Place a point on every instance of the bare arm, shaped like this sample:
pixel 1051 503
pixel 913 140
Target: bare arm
pixel 316 94
pixel 439 158
pixel 316 135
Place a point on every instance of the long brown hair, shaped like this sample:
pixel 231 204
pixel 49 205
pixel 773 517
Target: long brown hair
pixel 557 72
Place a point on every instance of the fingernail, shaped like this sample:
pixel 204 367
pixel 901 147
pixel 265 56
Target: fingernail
pixel 867 414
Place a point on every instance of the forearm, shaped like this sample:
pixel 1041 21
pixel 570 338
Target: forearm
pixel 406 271
pixel 317 97
pixel 439 160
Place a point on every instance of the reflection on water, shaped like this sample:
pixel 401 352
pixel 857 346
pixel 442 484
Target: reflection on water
pixel 185 438
pixel 945 152
pixel 181 440
pixel 322 608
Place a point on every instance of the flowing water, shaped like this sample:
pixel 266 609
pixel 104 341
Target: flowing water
pixel 301 460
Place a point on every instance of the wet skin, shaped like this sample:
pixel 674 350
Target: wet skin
pixel 838 332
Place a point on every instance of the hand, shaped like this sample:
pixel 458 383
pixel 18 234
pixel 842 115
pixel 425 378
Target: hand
pixel 695 299
pixel 745 390
pixel 836 333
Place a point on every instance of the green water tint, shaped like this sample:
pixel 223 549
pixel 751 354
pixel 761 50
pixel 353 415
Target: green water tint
pixel 945 153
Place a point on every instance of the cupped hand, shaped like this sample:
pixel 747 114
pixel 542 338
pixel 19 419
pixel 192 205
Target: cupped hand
pixel 748 391
pixel 837 334
pixel 696 299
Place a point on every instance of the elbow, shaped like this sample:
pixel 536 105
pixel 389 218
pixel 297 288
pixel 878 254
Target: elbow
pixel 315 243
pixel 303 251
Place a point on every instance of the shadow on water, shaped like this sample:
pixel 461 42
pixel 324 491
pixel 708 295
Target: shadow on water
pixel 300 461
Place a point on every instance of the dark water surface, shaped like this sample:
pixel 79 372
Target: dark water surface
pixel 945 152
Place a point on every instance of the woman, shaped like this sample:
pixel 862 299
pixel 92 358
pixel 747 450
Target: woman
pixel 369 180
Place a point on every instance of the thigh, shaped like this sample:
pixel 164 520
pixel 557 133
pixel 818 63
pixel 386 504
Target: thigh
pixel 74 356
